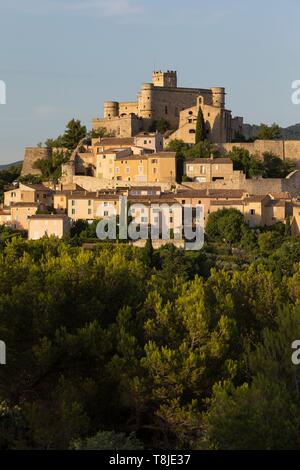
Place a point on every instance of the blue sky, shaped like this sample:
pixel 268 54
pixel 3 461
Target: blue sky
pixel 62 58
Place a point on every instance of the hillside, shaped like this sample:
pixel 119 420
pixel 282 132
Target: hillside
pixel 287 133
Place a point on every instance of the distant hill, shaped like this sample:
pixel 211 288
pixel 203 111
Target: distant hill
pixel 9 165
pixel 287 133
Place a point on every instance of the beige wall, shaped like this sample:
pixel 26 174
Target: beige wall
pixel 26 193
pixel 150 141
pixel 92 207
pixel 20 215
pixel 40 227
pixel 206 171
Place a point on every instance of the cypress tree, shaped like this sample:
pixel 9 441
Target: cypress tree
pixel 200 128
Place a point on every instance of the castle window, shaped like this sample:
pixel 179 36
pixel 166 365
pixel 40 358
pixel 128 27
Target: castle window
pixel 192 131
pixel 190 120
pixel 190 113
pixel 145 141
pixel 166 109
pixel 252 211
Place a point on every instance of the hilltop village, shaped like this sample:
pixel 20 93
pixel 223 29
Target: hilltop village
pixel 135 159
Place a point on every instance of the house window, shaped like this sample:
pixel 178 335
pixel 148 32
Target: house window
pixel 141 169
pixel 73 202
pixel 127 169
pixel 143 219
pixel 145 141
pixel 202 170
pixel 252 211
pixel 154 170
pixel 171 220
pixel 89 211
pixel 105 213
pixel 73 211
pixel 89 202
pixel 190 168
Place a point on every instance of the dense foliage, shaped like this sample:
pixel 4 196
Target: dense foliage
pixel 7 177
pixel 269 166
pixel 119 347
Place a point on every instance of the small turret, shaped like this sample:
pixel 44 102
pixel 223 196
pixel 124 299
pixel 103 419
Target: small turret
pixel 218 97
pixel 111 109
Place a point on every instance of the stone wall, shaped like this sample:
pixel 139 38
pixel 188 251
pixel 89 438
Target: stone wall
pixel 256 186
pixel 285 149
pixel 32 154
pixel 126 126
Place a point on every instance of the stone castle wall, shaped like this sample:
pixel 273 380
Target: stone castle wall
pixel 285 149
pixel 32 154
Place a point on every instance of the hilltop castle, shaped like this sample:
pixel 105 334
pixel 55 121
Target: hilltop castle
pixel 163 99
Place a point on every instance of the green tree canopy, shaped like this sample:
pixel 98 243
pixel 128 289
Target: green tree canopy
pixel 271 132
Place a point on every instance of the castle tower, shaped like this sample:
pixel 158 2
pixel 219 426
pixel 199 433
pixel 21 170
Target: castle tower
pixel 32 154
pixel 67 172
pixel 145 101
pixel 165 79
pixel 218 97
pixel 111 109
